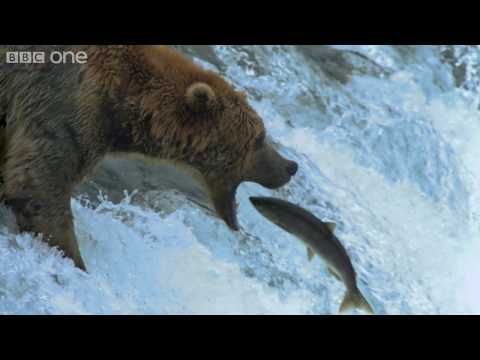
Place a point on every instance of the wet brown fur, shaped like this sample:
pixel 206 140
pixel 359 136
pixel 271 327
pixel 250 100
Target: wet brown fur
pixel 61 120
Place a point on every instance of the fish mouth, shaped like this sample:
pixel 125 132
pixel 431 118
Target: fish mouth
pixel 255 201
pixel 270 209
pixel 259 204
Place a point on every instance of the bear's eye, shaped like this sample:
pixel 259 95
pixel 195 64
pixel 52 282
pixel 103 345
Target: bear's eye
pixel 259 141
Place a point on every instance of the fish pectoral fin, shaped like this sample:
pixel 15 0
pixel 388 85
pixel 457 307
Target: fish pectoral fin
pixel 331 226
pixel 310 254
pixel 334 274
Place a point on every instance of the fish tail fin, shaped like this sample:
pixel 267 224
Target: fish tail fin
pixel 355 300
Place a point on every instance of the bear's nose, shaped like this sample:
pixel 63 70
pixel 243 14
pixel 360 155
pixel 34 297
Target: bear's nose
pixel 292 168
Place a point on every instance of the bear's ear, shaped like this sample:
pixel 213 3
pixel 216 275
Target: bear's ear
pixel 200 97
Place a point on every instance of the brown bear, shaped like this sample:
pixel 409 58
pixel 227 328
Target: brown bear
pixel 145 101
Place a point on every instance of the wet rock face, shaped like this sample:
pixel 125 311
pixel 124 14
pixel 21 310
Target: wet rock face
pixel 115 176
pixel 203 52
pixel 330 60
pixel 340 65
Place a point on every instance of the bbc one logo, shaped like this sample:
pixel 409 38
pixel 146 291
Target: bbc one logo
pixel 40 57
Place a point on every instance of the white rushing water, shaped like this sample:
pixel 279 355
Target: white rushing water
pixel 390 153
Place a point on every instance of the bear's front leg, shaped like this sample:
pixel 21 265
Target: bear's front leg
pixel 38 186
pixel 53 219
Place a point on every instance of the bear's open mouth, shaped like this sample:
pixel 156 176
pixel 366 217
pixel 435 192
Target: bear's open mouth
pixel 230 214
pixel 226 207
pixel 231 219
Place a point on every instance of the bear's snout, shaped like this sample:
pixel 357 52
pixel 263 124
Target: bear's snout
pixel 292 168
pixel 270 169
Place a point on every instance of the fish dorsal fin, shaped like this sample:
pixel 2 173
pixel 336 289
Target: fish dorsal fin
pixel 331 226
pixel 310 254
pixel 334 274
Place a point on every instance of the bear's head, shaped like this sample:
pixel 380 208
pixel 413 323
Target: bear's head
pixel 172 109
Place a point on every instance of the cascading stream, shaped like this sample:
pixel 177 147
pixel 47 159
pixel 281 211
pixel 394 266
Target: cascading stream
pixel 387 142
